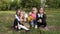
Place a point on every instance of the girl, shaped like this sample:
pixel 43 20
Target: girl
pixel 22 19
pixel 32 17
pixel 17 19
pixel 41 18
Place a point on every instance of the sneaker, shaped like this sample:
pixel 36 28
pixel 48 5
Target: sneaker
pixel 36 26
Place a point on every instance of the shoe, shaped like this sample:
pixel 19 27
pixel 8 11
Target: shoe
pixel 36 26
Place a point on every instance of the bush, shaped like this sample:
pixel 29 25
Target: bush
pixel 53 3
pixel 13 5
pixel 30 3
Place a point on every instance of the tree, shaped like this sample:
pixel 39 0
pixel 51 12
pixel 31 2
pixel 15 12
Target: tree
pixel 30 3
pixel 53 3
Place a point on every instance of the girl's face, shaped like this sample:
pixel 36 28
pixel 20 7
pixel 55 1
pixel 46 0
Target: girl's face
pixel 41 10
pixel 34 10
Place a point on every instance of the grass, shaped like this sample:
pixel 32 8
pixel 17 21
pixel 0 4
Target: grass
pixel 7 19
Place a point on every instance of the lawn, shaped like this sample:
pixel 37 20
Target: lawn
pixel 7 19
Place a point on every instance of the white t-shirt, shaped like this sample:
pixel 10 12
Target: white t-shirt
pixel 17 17
pixel 40 15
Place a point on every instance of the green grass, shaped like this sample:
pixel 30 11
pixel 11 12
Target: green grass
pixel 7 19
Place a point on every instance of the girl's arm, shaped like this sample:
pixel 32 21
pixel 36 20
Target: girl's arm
pixel 44 16
pixel 17 17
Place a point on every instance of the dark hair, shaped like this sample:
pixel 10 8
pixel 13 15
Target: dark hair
pixel 40 8
pixel 18 10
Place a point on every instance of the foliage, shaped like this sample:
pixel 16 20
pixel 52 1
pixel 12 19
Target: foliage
pixel 53 3
pixel 28 4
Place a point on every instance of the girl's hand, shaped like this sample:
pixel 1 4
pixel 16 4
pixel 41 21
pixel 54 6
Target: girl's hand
pixel 40 20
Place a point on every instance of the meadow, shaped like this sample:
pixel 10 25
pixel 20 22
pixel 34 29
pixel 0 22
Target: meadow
pixel 53 22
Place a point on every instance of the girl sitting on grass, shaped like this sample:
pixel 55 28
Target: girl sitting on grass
pixel 41 18
pixel 19 18
pixel 32 17
pixel 22 17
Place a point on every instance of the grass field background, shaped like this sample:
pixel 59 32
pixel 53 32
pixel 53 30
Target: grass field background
pixel 7 19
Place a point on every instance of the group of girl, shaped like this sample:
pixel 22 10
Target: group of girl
pixel 35 18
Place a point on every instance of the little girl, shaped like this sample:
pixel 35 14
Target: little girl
pixel 41 18
pixel 17 22
pixel 17 19
pixel 22 19
pixel 32 17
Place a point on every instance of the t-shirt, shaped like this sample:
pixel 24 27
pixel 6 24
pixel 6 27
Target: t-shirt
pixel 17 17
pixel 33 15
pixel 40 15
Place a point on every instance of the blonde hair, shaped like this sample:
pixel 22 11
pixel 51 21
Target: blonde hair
pixel 22 15
pixel 34 9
